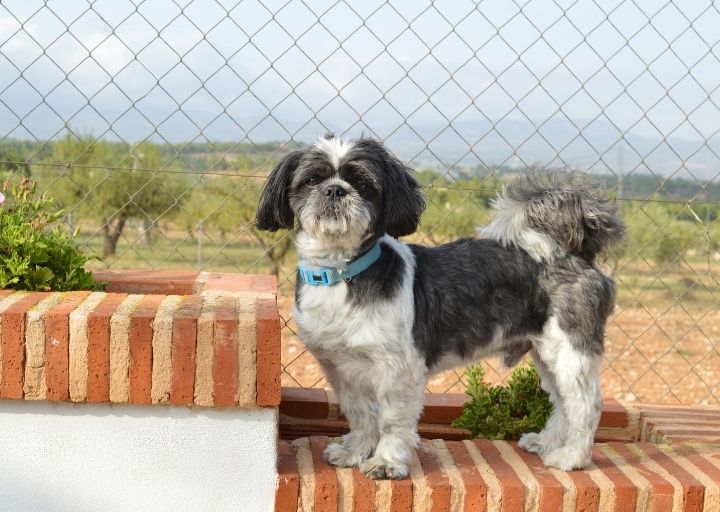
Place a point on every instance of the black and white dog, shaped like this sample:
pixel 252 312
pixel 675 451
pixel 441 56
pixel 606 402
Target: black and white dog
pixel 381 315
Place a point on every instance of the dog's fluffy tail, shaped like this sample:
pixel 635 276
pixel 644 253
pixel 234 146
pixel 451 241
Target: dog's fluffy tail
pixel 553 213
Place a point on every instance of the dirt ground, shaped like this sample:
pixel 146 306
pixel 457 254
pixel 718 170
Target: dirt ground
pixel 662 355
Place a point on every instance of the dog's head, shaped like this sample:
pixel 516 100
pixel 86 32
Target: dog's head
pixel 342 192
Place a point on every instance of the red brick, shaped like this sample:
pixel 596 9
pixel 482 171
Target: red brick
pixel 551 490
pixel 704 465
pixel 704 439
pixel 661 496
pixel 141 334
pixel 613 414
pixel 311 403
pixel 326 484
pixel 13 345
pixel 673 411
pixel 240 283
pixel 625 491
pixel 693 491
pixel 402 495
pixel 225 363
pixel 268 352
pixel 98 331
pixel 588 492
pixel 363 492
pixel 443 407
pixel 288 488
pixel 698 432
pixel 512 489
pixel 57 343
pixel 436 478
pixel 475 485
pixel 182 387
pixel 162 282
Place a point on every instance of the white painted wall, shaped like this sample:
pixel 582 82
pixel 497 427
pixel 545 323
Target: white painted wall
pixel 88 457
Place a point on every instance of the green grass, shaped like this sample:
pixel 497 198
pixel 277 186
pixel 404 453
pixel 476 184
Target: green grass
pixel 638 284
pixel 177 253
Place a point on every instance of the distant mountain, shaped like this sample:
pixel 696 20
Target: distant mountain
pixel 595 146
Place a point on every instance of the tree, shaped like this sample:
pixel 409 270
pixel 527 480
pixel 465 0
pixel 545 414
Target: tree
pixel 656 231
pixel 12 162
pixel 239 209
pixel 228 204
pixel 113 183
pixel 455 208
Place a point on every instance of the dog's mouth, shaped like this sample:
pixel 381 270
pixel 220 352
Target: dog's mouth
pixel 340 217
pixel 332 210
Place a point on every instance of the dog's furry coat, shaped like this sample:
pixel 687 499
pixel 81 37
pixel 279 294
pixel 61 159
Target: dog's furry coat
pixel 530 285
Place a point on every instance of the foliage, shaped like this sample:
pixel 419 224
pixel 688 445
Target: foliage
pixel 11 161
pixel 35 253
pixel 113 183
pixel 454 208
pixel 228 204
pixel 507 411
pixel 656 232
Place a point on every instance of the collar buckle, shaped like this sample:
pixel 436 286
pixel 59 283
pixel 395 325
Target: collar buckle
pixel 328 276
pixel 318 277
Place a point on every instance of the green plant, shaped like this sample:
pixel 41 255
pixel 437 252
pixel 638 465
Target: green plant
pixel 114 183
pixel 35 253
pixel 506 411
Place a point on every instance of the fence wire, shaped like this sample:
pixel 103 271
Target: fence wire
pixel 155 124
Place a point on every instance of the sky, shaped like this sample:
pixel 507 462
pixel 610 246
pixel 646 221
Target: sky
pixel 451 81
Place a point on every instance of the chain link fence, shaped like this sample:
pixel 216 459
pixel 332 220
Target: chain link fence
pixel 155 123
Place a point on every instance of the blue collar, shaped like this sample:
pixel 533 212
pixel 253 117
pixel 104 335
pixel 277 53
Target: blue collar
pixel 328 276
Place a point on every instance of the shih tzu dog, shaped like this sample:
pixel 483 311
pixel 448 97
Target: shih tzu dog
pixel 381 315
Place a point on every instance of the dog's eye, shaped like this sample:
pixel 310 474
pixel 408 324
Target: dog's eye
pixel 311 182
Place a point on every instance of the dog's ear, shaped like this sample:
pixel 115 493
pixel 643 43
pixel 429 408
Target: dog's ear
pixel 402 197
pixel 274 210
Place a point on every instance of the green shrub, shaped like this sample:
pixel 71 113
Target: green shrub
pixel 35 253
pixel 506 411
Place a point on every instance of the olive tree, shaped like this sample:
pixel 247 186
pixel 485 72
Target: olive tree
pixel 112 183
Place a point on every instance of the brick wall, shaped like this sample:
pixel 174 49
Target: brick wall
pixel 183 338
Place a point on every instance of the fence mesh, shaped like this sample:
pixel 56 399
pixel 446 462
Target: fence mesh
pixel 156 122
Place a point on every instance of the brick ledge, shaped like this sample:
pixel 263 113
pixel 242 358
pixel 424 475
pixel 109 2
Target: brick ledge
pixel 498 476
pixel 312 412
pixel 308 412
pixel 184 338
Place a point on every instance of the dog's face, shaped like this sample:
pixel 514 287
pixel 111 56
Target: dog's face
pixel 341 191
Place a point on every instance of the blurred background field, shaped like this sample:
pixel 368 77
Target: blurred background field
pixel 155 124
pixel 155 209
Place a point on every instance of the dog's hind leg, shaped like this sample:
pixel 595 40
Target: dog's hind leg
pixel 400 400
pixel 554 433
pixel 576 376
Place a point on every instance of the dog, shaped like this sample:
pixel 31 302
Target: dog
pixel 381 315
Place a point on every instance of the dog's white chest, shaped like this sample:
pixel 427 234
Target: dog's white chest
pixel 329 318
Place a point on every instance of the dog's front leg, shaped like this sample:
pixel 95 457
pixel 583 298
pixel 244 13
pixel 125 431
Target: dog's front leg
pixel 361 412
pixel 359 407
pixel 400 402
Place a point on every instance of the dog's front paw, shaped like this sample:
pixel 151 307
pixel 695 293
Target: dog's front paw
pixel 532 442
pixel 381 469
pixel 339 456
pixel 567 458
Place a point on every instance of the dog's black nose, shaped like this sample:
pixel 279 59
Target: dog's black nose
pixel 335 192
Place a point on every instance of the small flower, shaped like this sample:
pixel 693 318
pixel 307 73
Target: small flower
pixel 2 198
